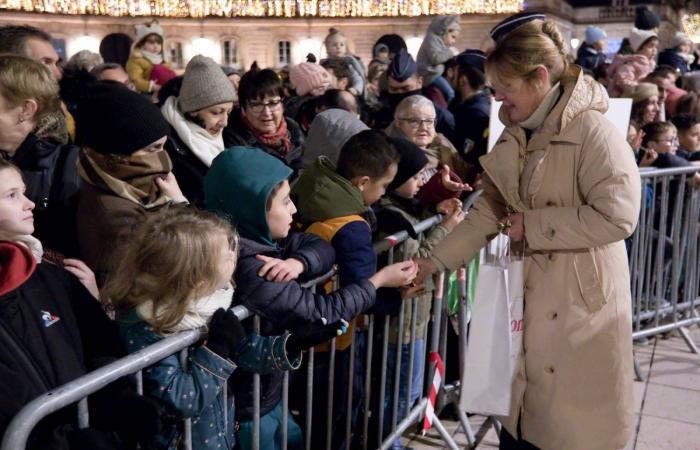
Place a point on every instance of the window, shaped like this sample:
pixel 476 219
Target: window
pixel 284 53
pixel 174 53
pixel 59 44
pixel 230 56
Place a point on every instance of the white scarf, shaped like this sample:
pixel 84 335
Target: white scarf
pixel 198 312
pixel 33 244
pixel 204 146
pixel 154 58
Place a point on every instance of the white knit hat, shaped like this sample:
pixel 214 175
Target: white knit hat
pixel 144 30
pixel 639 37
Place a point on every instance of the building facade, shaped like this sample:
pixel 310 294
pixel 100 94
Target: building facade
pixel 277 42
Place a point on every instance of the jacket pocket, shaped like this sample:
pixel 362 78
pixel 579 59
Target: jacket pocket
pixel 588 279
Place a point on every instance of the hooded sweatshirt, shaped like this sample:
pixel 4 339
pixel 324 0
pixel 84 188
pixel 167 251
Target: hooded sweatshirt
pixel 433 51
pixel 238 186
pixel 328 133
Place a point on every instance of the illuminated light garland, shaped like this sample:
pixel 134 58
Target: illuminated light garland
pixel 263 8
pixel 691 26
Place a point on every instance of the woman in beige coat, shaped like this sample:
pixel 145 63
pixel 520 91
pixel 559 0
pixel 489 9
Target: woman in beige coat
pixel 565 182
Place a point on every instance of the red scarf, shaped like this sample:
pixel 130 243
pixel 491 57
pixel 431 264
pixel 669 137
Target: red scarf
pixel 279 140
pixel 16 266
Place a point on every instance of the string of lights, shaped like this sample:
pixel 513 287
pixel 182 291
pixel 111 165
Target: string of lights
pixel 263 8
pixel 691 26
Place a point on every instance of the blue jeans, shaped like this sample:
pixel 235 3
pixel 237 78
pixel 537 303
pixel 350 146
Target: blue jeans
pixel 444 86
pixel 416 383
pixel 271 432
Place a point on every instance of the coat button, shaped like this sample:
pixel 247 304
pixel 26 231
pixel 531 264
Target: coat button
pixel 552 315
pixel 552 232
pixel 549 369
pixel 551 256
pixel 551 203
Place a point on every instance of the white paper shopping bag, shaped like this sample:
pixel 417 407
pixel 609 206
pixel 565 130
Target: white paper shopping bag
pixel 495 333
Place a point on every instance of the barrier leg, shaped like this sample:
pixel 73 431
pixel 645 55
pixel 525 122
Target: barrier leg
pixel 309 397
pixel 368 382
pixel 688 340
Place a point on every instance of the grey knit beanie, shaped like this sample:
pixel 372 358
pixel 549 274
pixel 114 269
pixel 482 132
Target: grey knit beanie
pixel 204 84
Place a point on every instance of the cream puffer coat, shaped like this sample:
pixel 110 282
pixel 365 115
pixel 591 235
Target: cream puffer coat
pixel 573 390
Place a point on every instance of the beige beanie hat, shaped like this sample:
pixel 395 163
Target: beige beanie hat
pixel 204 84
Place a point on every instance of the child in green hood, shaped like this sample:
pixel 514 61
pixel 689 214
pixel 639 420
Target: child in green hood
pixel 250 188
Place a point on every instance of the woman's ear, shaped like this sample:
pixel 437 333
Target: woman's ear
pixel 28 110
pixel 542 78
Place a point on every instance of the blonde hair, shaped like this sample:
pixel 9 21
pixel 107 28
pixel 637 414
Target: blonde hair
pixel 22 79
pixel 523 50
pixel 172 259
pixel 332 32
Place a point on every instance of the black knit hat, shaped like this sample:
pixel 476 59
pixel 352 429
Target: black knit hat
pixel 412 161
pixel 402 67
pixel 645 19
pixel 511 23
pixel 113 119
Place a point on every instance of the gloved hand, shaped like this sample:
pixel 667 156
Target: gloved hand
pixel 313 335
pixel 225 333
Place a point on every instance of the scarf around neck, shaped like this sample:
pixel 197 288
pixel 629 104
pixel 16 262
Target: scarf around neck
pixel 202 144
pixel 153 58
pixel 198 312
pixel 131 177
pixel 280 140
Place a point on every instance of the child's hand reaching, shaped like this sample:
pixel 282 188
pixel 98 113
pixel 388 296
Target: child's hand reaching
pixel 449 206
pixel 225 333
pixel 311 336
pixel 395 275
pixel 648 158
pixel 453 219
pixel 280 270
pixel 84 274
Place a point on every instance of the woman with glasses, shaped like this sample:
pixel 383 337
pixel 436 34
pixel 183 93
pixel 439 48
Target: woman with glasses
pixel 261 122
pixel 414 120
pixel 197 117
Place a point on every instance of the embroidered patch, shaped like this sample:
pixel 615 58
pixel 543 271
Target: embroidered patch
pixel 49 319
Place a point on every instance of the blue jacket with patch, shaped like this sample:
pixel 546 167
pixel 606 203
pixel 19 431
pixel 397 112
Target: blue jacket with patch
pixel 198 390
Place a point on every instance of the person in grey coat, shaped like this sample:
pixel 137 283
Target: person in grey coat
pixel 435 50
pixel 328 133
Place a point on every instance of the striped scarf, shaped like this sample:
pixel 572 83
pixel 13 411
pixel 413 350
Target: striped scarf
pixel 131 177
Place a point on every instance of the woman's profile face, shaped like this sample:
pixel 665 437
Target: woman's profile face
pixel 651 109
pixel 519 97
pixel 214 118
pixel 15 125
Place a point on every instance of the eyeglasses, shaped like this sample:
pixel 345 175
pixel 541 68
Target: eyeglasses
pixel 670 141
pixel 416 123
pixel 258 107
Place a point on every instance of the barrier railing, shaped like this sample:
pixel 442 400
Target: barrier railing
pixel 77 391
pixel 664 269
pixel 665 285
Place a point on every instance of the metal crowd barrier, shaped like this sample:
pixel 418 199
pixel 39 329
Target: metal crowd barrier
pixel 664 269
pixel 17 433
pixel 665 285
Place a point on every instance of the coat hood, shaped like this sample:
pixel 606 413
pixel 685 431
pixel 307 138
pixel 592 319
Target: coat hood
pixel 321 193
pixel 238 186
pixel 441 24
pixel 328 133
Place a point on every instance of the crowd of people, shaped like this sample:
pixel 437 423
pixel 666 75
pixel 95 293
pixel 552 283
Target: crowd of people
pixel 136 203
